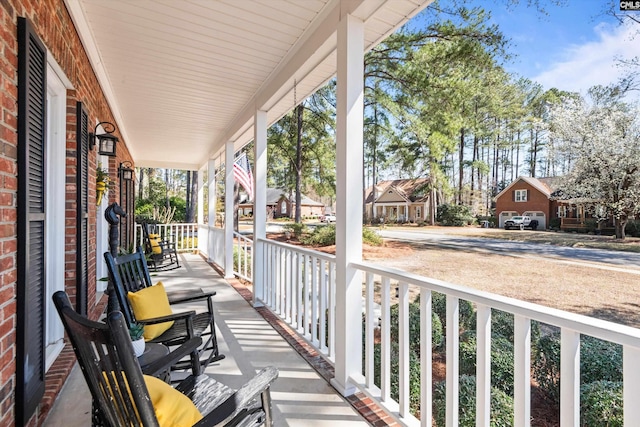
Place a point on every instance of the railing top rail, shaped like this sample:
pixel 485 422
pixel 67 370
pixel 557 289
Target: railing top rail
pixel 602 329
pixel 242 237
pixel 305 251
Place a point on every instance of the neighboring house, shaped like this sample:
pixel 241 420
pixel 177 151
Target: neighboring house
pixel 527 196
pixel 280 206
pixel 534 197
pixel 400 200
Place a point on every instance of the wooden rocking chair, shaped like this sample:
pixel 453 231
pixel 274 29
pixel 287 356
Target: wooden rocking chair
pixel 161 253
pixel 129 273
pixel 123 396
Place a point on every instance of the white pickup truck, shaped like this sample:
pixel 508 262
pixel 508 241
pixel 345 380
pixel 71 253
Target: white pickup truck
pixel 520 223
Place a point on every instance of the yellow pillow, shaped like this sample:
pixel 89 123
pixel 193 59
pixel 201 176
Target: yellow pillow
pixel 148 303
pixel 154 239
pixel 172 408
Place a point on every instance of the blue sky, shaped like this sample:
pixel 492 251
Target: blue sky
pixel 572 48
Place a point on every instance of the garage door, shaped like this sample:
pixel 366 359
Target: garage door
pixel 505 215
pixel 540 217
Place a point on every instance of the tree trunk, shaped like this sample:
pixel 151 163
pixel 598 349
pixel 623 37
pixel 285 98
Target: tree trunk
pixel 192 200
pixel 620 225
pixel 141 184
pixel 461 166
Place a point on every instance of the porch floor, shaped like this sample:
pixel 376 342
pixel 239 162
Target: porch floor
pixel 301 396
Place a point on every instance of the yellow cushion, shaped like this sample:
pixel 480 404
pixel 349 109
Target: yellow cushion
pixel 172 408
pixel 154 239
pixel 148 303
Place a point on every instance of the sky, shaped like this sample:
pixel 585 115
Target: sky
pixel 573 48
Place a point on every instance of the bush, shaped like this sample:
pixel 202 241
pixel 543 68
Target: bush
pixel 467 312
pixel 297 229
pixel 502 325
pixel 632 228
pixel 501 361
pixel 414 374
pixel 371 237
pixel 454 215
pixel 323 235
pixel 554 223
pixel 601 404
pixel 599 360
pixel 437 337
pixel 501 405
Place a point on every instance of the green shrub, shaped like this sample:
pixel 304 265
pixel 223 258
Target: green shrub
pixel 501 414
pixel 370 237
pixel 414 374
pixel 599 360
pixel 297 229
pixel 323 235
pixel 501 361
pixel 437 337
pixel 502 325
pixel 632 228
pixel 238 256
pixel 467 312
pixel 601 404
pixel 554 223
pixel 454 215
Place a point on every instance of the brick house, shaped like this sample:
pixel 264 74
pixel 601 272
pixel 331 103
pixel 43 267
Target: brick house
pixel 279 205
pixel 527 196
pixel 50 227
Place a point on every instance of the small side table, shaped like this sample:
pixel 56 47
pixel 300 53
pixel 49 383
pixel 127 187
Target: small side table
pixel 152 353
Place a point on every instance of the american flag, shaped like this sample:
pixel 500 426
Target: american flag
pixel 242 174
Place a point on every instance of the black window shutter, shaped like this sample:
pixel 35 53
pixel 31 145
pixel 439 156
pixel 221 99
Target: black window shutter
pixel 30 341
pixel 513 195
pixel 82 203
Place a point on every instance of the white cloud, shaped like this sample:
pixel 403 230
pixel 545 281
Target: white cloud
pixel 592 63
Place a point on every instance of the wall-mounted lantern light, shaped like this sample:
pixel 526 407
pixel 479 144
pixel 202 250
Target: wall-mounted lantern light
pixel 126 171
pixel 106 141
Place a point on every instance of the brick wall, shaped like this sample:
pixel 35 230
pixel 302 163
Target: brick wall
pixel 54 26
pixel 536 200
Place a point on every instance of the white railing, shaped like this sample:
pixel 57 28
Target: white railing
pixel 242 246
pixel 184 236
pixel 300 288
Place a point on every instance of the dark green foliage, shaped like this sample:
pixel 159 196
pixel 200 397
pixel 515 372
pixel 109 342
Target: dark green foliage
pixel 414 327
pixel 467 312
pixel 180 205
pixel 325 235
pixel 414 374
pixel 501 405
pixel 501 361
pixel 454 215
pixel 554 223
pixel 297 229
pixel 633 228
pixel 601 404
pixel 502 325
pixel 599 360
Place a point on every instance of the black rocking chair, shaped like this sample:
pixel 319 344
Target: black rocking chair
pixel 129 273
pixel 161 253
pixel 120 391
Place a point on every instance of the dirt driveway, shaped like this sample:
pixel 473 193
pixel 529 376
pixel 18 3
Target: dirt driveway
pixel 599 291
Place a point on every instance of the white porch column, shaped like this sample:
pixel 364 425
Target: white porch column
pixel 228 209
pixel 349 179
pixel 211 211
pixel 259 204
pixel 200 207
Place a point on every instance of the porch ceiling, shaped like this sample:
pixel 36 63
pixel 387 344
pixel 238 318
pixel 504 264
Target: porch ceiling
pixel 184 77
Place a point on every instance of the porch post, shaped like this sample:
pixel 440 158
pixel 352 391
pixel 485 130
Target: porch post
pixel 211 211
pixel 200 207
pixel 349 179
pixel 259 204
pixel 228 209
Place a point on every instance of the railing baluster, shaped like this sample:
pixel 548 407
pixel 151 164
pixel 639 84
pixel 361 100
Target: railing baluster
pixel 426 358
pixel 569 378
pixel 483 366
pixel 522 371
pixel 300 292
pixel 332 310
pixel 631 389
pixel 323 306
pixel 314 300
pixel 403 328
pixel 385 344
pixel 369 328
pixel 453 362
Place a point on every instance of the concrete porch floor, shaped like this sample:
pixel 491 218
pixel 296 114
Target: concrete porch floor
pixel 301 396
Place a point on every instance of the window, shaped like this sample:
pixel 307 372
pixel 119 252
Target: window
pixel 562 211
pixel 521 195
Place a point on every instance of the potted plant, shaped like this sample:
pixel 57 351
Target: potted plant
pixel 135 332
pixel 102 183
